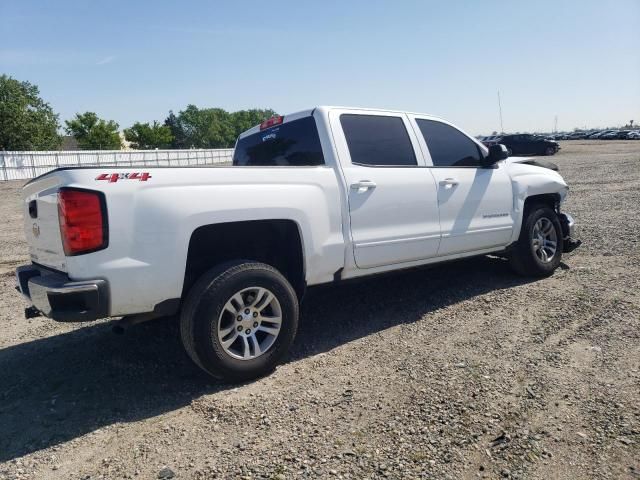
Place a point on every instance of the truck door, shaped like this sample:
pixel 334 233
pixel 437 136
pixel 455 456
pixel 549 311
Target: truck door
pixel 475 202
pixel 392 197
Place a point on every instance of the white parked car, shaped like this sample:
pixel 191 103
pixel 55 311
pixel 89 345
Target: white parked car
pixel 315 197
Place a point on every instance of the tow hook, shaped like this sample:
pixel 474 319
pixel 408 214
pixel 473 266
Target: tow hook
pixel 31 312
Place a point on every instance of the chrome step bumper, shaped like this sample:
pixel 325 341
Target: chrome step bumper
pixel 58 297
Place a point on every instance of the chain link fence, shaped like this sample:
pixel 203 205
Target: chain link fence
pixel 26 165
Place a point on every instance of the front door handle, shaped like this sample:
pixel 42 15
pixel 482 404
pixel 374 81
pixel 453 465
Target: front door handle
pixel 448 182
pixel 363 185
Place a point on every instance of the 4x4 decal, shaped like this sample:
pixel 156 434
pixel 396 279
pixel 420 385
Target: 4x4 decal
pixel 114 177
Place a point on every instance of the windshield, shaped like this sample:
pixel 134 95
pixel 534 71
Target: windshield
pixel 293 143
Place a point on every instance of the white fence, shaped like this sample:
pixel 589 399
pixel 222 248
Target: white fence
pixel 25 165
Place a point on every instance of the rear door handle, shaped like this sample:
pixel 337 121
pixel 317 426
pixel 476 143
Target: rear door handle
pixel 448 182
pixel 363 186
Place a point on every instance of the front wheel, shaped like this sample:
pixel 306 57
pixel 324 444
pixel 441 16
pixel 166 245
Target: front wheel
pixel 538 251
pixel 550 151
pixel 239 320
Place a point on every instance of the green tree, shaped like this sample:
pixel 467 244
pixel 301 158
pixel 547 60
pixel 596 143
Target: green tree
pixel 179 138
pixel 93 133
pixel 211 127
pixel 26 121
pixel 206 128
pixel 245 119
pixel 146 136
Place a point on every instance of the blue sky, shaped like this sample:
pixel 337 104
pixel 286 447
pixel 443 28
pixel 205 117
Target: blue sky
pixel 135 60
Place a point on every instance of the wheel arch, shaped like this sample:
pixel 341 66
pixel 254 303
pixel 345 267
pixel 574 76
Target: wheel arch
pixel 552 200
pixel 276 242
pixel 524 203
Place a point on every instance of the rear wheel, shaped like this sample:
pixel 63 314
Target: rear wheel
pixel 538 250
pixel 239 320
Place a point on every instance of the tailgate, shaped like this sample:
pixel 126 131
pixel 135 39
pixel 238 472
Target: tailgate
pixel 41 224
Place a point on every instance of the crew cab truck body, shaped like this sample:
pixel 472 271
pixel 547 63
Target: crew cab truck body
pixel 314 197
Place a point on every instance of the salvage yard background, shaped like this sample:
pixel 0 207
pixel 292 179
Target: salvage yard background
pixel 460 371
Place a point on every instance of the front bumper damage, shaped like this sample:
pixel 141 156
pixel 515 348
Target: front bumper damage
pixel 569 242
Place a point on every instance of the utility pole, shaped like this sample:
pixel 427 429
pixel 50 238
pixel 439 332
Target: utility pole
pixel 500 110
pixel 555 124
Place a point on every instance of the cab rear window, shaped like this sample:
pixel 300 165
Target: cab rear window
pixel 291 144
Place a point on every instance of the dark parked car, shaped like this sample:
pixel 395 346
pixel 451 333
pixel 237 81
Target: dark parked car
pixel 611 135
pixel 622 134
pixel 526 144
pixel 490 140
pixel 580 135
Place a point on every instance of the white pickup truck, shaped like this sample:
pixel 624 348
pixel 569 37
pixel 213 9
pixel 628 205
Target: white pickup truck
pixel 324 195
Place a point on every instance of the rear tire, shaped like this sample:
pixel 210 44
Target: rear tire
pixel 221 338
pixel 538 251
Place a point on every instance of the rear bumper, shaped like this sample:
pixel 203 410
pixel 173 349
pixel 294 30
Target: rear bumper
pixel 60 298
pixel 568 224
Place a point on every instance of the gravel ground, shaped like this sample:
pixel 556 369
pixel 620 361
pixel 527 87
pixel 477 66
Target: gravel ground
pixel 459 371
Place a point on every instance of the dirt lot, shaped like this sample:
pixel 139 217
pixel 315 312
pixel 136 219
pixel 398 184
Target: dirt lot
pixel 461 371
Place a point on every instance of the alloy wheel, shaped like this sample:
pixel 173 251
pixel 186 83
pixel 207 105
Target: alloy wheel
pixel 249 323
pixel 544 240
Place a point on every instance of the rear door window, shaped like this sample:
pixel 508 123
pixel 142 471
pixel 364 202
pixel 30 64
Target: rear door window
pixel 376 140
pixel 448 146
pixel 290 144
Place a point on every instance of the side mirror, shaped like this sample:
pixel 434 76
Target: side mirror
pixel 496 153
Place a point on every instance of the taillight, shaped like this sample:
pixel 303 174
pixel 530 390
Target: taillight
pixel 271 122
pixel 83 221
